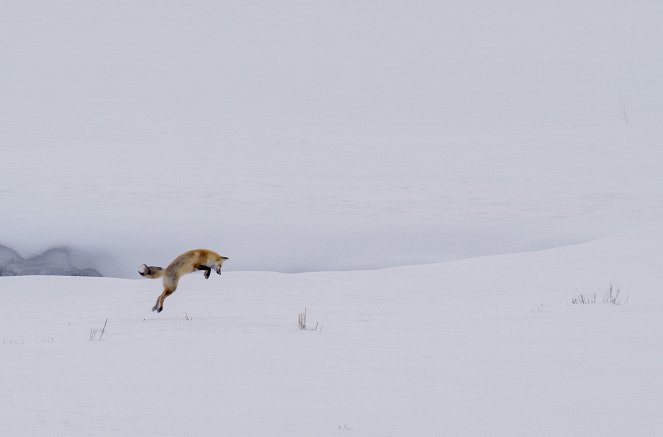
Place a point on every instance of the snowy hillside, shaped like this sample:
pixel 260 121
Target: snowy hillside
pixel 488 346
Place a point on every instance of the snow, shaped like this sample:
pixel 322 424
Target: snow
pixel 485 346
pixel 433 182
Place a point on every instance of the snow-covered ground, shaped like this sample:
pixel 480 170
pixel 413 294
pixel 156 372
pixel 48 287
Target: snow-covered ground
pixel 490 161
pixel 485 346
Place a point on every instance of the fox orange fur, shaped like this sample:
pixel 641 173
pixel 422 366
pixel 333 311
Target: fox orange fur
pixel 198 259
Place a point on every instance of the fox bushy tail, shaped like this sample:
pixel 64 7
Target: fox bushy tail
pixel 151 272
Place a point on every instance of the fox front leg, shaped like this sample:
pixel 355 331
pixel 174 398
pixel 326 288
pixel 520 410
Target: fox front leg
pixel 205 269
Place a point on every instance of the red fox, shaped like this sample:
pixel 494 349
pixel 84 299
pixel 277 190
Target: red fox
pixel 198 259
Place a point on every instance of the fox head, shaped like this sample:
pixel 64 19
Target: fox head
pixel 219 263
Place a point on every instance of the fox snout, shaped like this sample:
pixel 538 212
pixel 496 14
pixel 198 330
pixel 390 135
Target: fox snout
pixel 219 265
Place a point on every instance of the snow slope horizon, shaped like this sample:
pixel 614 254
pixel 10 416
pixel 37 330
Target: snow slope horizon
pixel 331 135
pixel 485 346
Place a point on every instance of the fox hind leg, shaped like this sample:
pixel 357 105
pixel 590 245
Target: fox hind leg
pixel 158 307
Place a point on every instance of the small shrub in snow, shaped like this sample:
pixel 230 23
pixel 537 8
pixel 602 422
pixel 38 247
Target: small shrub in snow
pixel 540 309
pixel 611 296
pixel 94 332
pixel 584 299
pixel 302 323
pixel 622 103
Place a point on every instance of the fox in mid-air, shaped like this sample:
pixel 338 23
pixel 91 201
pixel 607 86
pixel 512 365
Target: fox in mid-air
pixel 198 259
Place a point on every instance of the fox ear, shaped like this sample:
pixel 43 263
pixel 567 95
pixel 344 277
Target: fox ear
pixel 224 257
